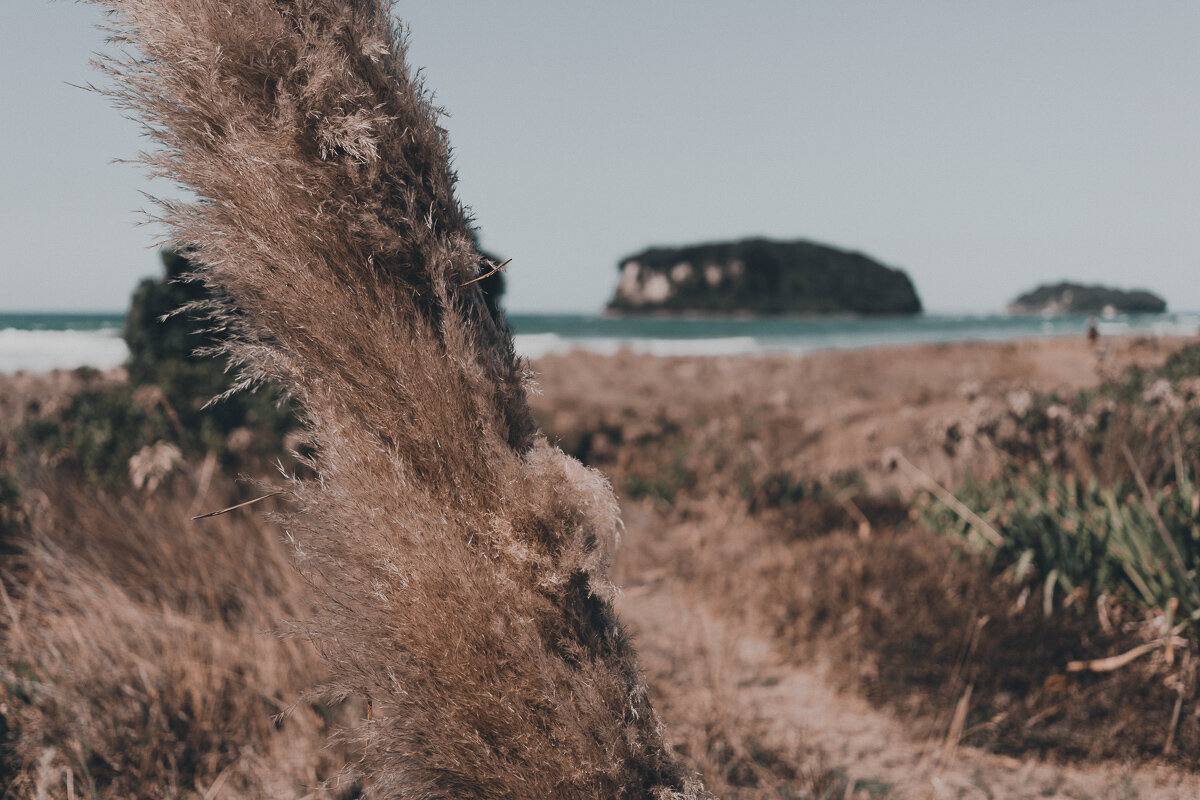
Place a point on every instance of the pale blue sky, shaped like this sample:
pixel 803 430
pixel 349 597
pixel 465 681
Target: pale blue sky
pixel 982 147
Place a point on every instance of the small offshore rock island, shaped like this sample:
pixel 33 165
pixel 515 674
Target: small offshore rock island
pixel 1076 298
pixel 761 276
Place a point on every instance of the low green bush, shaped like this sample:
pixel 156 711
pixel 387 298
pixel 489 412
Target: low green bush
pixel 1083 539
pixel 169 395
pixel 1103 532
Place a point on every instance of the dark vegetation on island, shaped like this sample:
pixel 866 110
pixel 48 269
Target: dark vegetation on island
pixel 761 276
pixel 1077 298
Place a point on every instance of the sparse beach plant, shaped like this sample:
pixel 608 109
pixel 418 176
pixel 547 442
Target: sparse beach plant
pixel 1097 494
pixel 1083 540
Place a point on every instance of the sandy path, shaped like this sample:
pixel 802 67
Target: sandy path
pixel 829 411
pixel 874 748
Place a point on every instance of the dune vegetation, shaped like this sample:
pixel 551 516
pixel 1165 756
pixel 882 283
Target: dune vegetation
pixel 1049 587
pixel 961 569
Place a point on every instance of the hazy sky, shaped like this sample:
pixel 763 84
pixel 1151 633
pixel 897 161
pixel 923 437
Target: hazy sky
pixel 982 147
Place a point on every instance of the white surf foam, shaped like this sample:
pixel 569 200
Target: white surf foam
pixel 43 351
pixel 536 345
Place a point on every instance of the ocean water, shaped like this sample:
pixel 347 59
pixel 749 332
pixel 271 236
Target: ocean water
pixel 538 335
pixel 43 342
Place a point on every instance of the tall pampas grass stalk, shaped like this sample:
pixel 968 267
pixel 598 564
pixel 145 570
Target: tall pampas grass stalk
pixel 461 558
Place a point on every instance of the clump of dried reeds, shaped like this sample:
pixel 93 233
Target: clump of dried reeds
pixel 134 659
pixel 461 559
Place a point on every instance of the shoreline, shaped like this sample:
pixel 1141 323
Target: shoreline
pixel 43 352
pixel 39 345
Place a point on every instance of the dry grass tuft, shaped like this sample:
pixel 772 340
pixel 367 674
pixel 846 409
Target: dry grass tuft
pixel 137 659
pixel 460 558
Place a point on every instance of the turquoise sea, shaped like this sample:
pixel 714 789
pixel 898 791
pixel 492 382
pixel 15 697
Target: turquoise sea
pixel 41 342
pixel 539 334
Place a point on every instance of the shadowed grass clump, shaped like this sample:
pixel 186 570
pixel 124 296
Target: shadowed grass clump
pixel 135 658
pixel 461 559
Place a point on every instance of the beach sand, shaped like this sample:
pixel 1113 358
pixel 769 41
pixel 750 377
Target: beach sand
pixel 831 411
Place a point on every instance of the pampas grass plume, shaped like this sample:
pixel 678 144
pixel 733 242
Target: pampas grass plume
pixel 461 558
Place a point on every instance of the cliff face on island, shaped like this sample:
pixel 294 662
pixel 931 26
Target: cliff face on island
pixel 761 276
pixel 1076 298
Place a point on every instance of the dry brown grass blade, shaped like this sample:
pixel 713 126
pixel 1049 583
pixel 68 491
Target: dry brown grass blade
pixel 494 270
pixel 241 505
pixel 864 524
pixel 1169 745
pixel 955 733
pixel 1116 662
pixel 942 493
pixel 1172 609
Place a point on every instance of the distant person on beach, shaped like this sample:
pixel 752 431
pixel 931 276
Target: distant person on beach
pixel 1093 331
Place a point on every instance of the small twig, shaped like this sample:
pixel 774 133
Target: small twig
pixel 221 780
pixel 959 721
pixel 1170 744
pixel 1172 607
pixel 1102 612
pixel 240 505
pixel 1159 524
pixel 1116 662
pixel 487 275
pixel 864 524
pixel 957 724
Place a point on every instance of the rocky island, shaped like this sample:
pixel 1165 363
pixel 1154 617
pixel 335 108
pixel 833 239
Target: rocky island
pixel 761 276
pixel 1076 298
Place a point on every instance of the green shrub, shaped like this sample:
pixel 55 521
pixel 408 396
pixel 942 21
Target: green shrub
pixel 1085 539
pixel 167 349
pixel 99 431
pixel 168 396
pixel 1182 365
